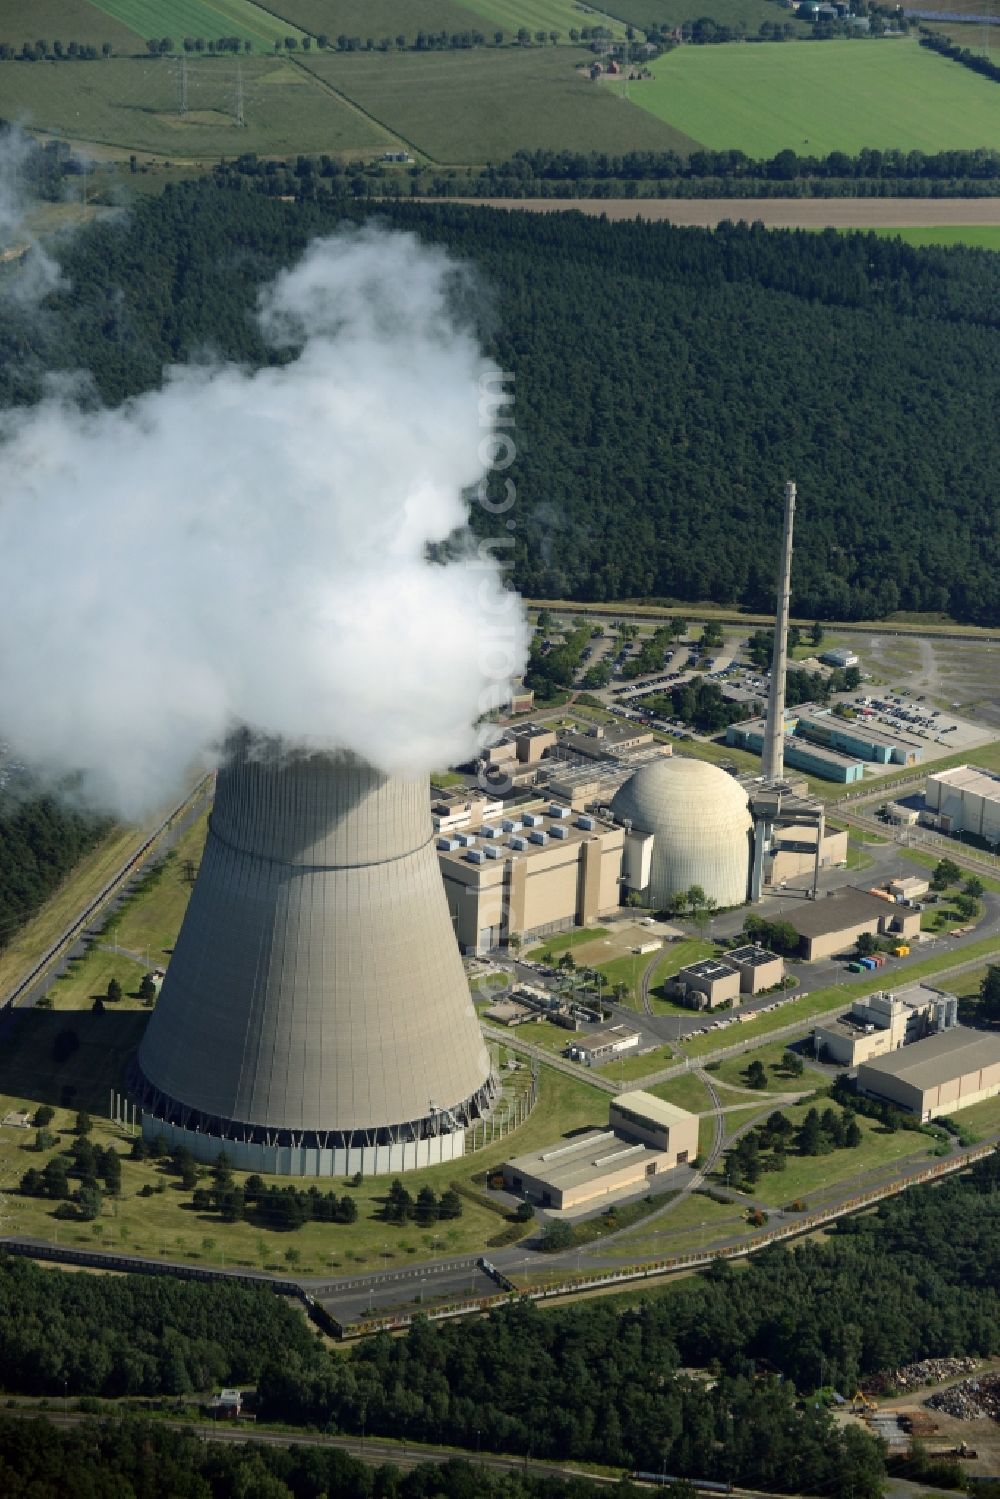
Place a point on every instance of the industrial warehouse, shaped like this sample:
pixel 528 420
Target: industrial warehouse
pixel 964 800
pixel 645 1137
pixel 936 1076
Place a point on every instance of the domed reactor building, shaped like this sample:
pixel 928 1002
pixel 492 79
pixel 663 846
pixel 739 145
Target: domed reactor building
pixel 698 829
pixel 315 1018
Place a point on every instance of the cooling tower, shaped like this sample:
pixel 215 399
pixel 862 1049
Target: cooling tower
pixel 315 1018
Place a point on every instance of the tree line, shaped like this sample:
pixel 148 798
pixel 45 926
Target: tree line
pixel 134 1458
pixel 979 62
pixel 41 839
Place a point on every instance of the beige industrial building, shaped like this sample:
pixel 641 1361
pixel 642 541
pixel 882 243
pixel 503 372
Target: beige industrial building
pixel 940 1075
pixel 706 985
pixel 910 887
pixel 964 800
pixel 758 969
pixel 645 1138
pixel 834 923
pixel 883 1022
pixel 530 875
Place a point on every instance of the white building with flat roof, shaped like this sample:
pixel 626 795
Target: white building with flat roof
pixel 965 800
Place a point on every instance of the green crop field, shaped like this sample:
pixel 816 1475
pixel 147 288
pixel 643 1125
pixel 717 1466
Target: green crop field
pixel 132 103
pixel 544 15
pixel 206 18
pixel 838 96
pixel 979 236
pixel 473 107
pixel 750 14
pixel 66 21
pixel 381 18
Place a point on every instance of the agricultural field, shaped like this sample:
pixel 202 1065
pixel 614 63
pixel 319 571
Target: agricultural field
pixel 838 96
pixel 206 18
pixel 133 104
pixel 978 236
pixel 750 14
pixel 461 108
pixel 67 21
pixel 380 18
pixel 560 16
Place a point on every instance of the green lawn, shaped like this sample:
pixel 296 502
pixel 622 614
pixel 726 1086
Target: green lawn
pixel 687 1092
pixel 696 1221
pixel 628 970
pixel 554 947
pixel 166 1222
pixel 472 107
pixel 67 21
pixel 205 18
pixel 132 103
pixel 809 1174
pixel 732 1071
pixel 834 96
pixel 632 1069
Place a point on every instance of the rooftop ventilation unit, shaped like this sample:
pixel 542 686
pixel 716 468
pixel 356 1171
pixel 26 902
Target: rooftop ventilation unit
pixel 475 856
pixel 488 831
pixel 537 836
pixel 556 810
pixel 447 845
pixel 558 831
pixel 493 851
pixel 510 825
pixel 467 840
pixel 586 823
pixel 533 820
pixel 518 843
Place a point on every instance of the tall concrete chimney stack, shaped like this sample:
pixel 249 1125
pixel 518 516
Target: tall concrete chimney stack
pixel 774 733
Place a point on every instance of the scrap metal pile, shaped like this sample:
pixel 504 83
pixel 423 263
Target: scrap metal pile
pixel 971 1399
pixel 911 1376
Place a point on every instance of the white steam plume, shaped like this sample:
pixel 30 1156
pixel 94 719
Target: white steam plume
pixel 29 273
pixel 249 546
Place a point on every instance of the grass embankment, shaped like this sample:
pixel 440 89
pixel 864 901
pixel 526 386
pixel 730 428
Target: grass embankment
pixel 147 926
pixel 732 1072
pixel 74 894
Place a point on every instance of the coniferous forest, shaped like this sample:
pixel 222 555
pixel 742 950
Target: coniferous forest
pixel 667 382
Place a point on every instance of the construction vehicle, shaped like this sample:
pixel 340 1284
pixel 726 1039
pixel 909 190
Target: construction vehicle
pixel 860 1400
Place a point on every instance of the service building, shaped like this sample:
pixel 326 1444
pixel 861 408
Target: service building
pixel 937 1076
pixel 645 1137
pixel 832 924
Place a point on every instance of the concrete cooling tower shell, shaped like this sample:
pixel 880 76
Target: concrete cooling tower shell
pixel 700 820
pixel 315 1017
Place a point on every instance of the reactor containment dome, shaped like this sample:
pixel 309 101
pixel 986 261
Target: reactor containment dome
pixel 702 830
pixel 315 1018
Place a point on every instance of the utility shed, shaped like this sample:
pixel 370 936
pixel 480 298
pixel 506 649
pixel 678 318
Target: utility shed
pixel 946 1072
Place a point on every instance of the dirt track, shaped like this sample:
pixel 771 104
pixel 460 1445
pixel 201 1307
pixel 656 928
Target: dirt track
pixel 776 213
